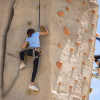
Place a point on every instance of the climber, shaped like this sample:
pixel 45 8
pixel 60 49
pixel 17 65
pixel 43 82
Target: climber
pixel 97 75
pixel 34 49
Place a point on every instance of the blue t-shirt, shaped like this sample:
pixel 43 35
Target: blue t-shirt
pixel 34 40
pixel 98 38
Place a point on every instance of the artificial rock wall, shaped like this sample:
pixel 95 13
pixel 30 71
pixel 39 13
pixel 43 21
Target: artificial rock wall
pixel 67 58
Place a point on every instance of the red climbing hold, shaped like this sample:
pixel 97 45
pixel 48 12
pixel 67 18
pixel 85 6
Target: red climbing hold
pixel 83 63
pixel 61 13
pixel 76 80
pixel 85 53
pixel 72 49
pixel 60 83
pixel 77 20
pixel 85 30
pixel 67 8
pixel 61 21
pixel 85 78
pixel 69 0
pixel 71 87
pixel 90 40
pixel 59 64
pixel 73 68
pixel 77 34
pixel 84 2
pixel 59 45
pixel 93 25
pixel 84 96
pixel 77 43
pixel 66 31
pixel 93 11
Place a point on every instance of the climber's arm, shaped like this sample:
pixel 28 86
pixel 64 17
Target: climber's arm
pixel 25 44
pixel 98 38
pixel 46 31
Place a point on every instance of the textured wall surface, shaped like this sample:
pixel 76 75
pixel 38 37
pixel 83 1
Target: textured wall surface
pixel 67 59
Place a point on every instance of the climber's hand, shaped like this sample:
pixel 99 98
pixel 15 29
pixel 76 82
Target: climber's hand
pixel 97 35
pixel 42 26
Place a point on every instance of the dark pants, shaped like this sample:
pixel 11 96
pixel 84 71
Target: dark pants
pixel 29 52
pixel 96 59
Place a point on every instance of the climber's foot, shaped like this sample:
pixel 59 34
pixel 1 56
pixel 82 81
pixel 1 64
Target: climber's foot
pixel 96 69
pixel 22 65
pixel 97 76
pixel 33 87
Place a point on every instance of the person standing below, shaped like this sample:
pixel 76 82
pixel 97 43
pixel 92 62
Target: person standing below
pixel 97 75
pixel 33 40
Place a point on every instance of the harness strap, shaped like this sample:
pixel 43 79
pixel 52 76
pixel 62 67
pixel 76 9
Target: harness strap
pixel 35 49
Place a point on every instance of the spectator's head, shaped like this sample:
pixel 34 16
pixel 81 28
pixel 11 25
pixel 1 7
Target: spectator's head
pixel 30 32
pixel 96 60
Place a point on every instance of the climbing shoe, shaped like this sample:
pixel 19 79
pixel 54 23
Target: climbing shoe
pixel 96 69
pixel 33 87
pixel 97 76
pixel 22 65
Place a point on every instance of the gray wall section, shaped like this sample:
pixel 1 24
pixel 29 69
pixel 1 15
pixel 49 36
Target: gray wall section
pixel 5 19
pixel 15 81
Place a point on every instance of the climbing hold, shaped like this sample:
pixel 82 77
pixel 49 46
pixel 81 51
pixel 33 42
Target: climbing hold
pixel 67 8
pixel 59 45
pixel 72 49
pixel 97 35
pixel 90 40
pixel 85 78
pixel 77 34
pixel 68 0
pixel 91 90
pixel 66 31
pixel 89 81
pixel 17 52
pixel 37 7
pixel 84 2
pixel 93 25
pixel 42 29
pixel 83 63
pixel 93 11
pixel 97 16
pixel 92 75
pixel 44 6
pixel 84 96
pixel 73 68
pixel 61 21
pixel 85 30
pixel 71 87
pixel 61 13
pixel 60 83
pixel 77 20
pixel 76 80
pixel 85 53
pixel 59 64
pixel 59 92
pixel 29 23
pixel 77 43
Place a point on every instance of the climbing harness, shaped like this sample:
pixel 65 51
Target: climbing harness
pixel 38 50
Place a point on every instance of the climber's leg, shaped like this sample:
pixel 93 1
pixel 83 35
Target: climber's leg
pixel 97 75
pixel 35 67
pixel 24 53
pixel 97 62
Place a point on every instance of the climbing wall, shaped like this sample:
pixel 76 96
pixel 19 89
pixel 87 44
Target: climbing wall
pixel 67 58
pixel 72 39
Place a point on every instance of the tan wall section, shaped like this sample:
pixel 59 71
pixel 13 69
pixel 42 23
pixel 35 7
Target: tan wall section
pixel 67 58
